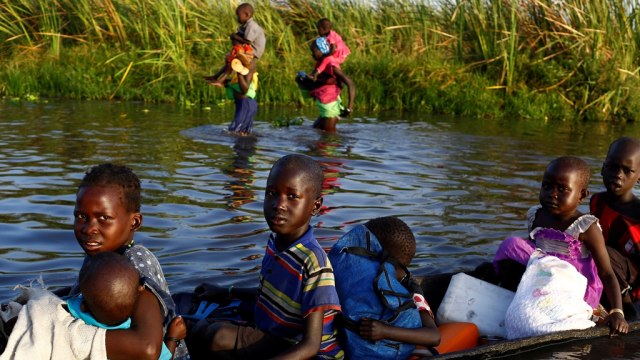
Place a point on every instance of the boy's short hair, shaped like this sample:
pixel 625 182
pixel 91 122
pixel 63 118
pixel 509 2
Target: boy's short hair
pixel 110 282
pixel 578 165
pixel 112 175
pixel 245 7
pixel 395 236
pixel 312 171
pixel 324 24
pixel 626 141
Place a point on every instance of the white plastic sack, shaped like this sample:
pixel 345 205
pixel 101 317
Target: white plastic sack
pixel 550 298
pixel 472 300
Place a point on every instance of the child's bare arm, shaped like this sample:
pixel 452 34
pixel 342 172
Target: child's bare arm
pixel 238 38
pixel 245 81
pixel 310 344
pixel 144 339
pixel 427 335
pixel 332 49
pixel 594 241
pixel 350 84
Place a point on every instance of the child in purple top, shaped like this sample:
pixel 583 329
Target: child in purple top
pixel 558 228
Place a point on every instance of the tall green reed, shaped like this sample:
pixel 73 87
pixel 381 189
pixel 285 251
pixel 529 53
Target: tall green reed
pixel 533 58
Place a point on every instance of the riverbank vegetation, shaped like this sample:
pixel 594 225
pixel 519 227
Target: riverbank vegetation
pixel 546 59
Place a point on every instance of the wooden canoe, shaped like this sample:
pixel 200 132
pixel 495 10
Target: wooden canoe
pixel 435 287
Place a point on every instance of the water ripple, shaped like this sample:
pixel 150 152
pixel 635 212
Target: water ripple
pixel 461 184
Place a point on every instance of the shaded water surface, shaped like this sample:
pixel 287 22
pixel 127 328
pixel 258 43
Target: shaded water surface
pixel 462 185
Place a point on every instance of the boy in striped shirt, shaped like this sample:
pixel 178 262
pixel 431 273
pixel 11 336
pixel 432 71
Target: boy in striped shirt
pixel 297 300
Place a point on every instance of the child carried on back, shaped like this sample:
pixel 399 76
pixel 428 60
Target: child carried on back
pixel 385 314
pixel 248 46
pixel 239 59
pixel 335 51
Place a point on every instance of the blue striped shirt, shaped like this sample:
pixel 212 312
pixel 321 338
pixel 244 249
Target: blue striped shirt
pixel 294 283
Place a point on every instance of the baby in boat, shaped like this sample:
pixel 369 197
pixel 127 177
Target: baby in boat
pixel 110 287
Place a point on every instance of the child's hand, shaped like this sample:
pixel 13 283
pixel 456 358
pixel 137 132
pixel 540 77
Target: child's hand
pixel 373 330
pixel 177 329
pixel 345 112
pixel 211 292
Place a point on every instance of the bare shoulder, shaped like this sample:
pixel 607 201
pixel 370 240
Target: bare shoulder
pixel 592 235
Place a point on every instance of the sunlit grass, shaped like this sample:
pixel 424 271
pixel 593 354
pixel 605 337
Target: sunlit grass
pixel 481 58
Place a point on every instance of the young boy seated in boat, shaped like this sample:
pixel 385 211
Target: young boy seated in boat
pixel 110 287
pixel 618 210
pixel 296 299
pixel 384 310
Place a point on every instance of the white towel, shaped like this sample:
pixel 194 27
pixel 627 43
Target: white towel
pixel 45 330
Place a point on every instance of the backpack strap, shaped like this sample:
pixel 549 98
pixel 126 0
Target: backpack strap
pixel 362 251
pixel 405 300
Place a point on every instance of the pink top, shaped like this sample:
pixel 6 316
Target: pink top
pixel 339 55
pixel 327 93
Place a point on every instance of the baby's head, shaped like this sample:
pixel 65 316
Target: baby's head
pixel 107 211
pixel 110 286
pixel 244 12
pixel 395 237
pixel 564 184
pixel 293 195
pixel 324 27
pixel 621 169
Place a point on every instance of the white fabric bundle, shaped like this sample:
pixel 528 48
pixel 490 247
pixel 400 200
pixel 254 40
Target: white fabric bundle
pixel 550 298
pixel 45 330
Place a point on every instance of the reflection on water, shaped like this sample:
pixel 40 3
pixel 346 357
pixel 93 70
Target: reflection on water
pixel 241 187
pixel 326 151
pixel 462 185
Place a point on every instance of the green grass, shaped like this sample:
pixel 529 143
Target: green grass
pixel 480 58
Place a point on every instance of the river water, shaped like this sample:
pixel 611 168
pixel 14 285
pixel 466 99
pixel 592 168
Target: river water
pixel 462 185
